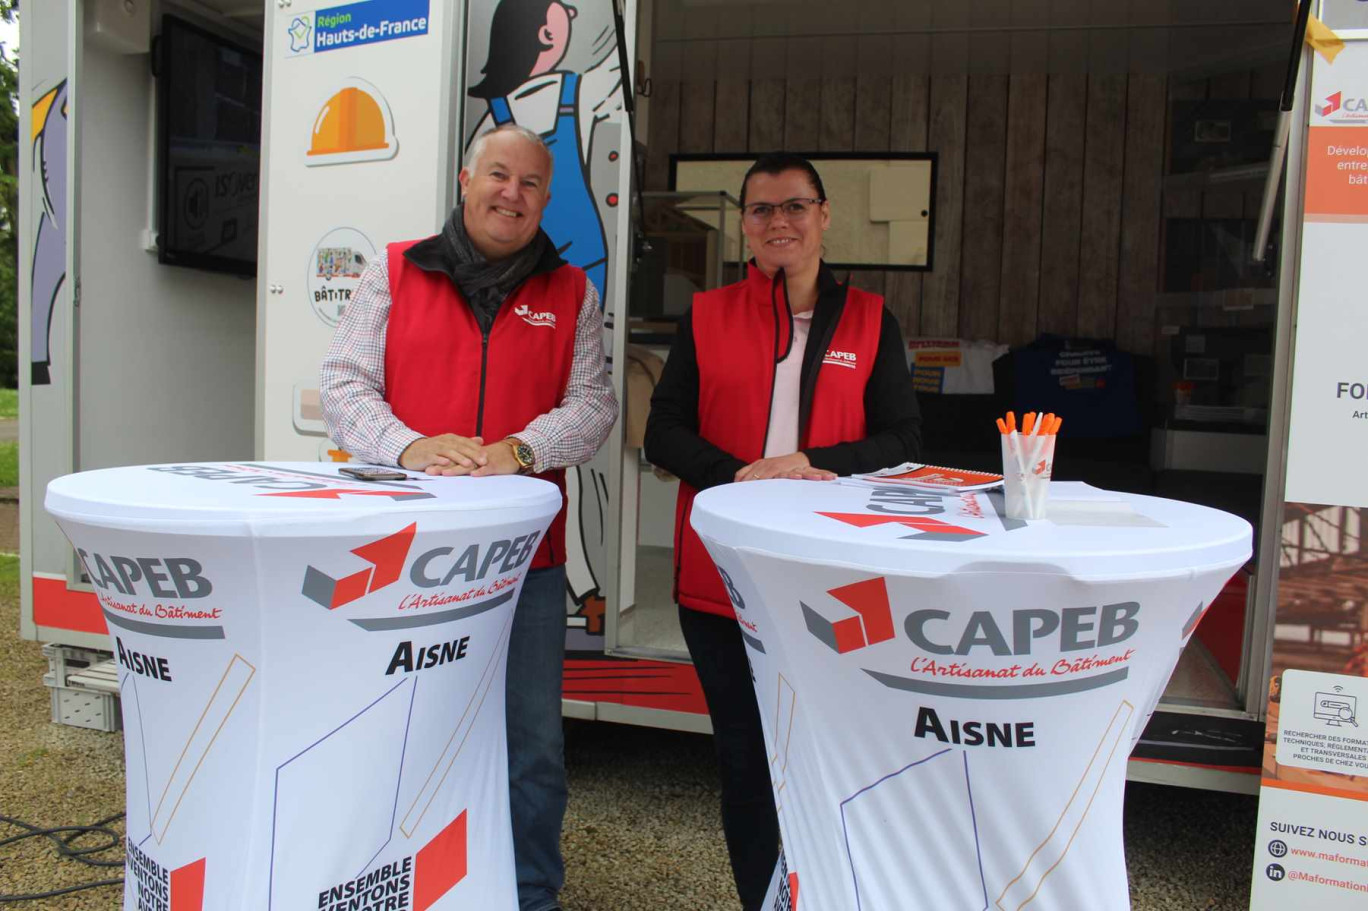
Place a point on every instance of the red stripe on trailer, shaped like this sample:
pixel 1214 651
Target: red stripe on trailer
pixel 670 686
pixel 57 607
pixel 1241 769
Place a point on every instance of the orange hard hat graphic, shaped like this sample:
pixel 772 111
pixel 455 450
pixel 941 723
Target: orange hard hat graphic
pixel 351 121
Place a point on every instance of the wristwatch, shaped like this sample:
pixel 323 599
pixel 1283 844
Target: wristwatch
pixel 523 453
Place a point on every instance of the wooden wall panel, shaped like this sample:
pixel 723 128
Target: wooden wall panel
pixel 1050 197
pixel 767 115
pixel 872 119
pixel 803 96
pixel 1100 247
pixel 732 125
pixel 945 134
pixel 985 164
pixel 873 113
pixel 837 129
pixel 697 97
pixel 769 79
pixel 1062 217
pixel 1022 209
pixel 1138 278
pixel 663 139
pixel 909 103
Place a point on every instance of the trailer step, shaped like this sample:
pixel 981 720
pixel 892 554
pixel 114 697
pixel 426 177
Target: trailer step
pixel 85 687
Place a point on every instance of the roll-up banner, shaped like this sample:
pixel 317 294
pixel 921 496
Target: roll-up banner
pixel 1312 844
pixel 311 674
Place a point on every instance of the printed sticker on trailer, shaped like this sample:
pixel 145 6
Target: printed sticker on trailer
pixel 355 24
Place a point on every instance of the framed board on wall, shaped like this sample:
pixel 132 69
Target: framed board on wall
pixel 882 212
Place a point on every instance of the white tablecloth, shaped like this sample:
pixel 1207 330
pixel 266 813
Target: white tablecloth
pixel 312 680
pixel 949 696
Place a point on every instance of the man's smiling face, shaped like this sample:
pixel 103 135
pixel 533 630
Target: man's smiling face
pixel 506 194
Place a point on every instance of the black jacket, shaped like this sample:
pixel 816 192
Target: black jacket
pixel 892 418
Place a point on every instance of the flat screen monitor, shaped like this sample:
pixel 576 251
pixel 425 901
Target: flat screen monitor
pixel 209 117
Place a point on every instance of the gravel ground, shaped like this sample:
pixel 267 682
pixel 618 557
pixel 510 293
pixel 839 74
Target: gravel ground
pixel 50 775
pixel 642 832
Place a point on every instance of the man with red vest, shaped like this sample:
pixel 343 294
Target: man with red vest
pixel 786 374
pixel 480 351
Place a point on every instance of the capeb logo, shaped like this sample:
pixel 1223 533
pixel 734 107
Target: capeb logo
pixel 871 623
pixel 545 318
pixel 1340 108
pixel 924 527
pixel 386 558
pixel 840 358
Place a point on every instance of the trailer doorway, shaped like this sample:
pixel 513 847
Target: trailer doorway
pixel 1099 179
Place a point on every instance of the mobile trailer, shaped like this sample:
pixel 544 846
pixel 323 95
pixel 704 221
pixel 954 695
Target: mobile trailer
pixel 129 360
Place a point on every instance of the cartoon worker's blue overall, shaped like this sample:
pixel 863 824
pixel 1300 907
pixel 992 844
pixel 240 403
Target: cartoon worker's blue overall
pixel 571 219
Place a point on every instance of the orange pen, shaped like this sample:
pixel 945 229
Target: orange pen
pixel 1028 423
pixel 1011 422
pixel 1002 426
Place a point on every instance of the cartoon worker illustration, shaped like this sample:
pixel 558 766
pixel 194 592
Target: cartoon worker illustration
pixel 527 42
pixel 49 248
pixel 522 84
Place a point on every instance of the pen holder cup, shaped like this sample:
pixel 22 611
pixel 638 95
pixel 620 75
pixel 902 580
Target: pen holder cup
pixel 1026 465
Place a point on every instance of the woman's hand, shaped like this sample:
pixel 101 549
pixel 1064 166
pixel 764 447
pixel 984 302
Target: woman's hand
pixel 794 465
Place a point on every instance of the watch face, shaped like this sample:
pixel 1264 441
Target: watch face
pixel 523 453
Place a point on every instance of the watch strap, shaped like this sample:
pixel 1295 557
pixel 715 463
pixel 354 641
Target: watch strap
pixel 522 453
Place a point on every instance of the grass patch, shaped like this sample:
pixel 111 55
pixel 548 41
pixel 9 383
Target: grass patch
pixel 9 576
pixel 9 464
pixel 9 404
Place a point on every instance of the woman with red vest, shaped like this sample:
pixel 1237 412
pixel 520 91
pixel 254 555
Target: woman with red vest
pixel 787 374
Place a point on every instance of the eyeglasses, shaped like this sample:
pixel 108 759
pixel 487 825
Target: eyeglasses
pixel 795 209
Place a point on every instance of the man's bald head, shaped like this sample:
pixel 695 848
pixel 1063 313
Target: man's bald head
pixel 477 148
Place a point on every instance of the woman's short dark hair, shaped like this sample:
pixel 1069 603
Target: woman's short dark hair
pixel 514 46
pixel 776 163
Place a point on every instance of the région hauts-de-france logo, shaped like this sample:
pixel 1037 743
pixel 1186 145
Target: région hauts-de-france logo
pixel 301 34
pixel 386 556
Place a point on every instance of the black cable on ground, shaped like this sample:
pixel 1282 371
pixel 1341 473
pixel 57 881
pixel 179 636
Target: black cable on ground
pixel 64 839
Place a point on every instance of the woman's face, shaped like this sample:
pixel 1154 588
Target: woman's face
pixel 784 241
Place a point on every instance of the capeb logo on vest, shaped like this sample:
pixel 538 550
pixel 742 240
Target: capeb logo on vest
pixel 544 319
pixel 840 358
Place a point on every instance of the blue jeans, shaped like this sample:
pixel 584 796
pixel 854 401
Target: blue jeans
pixel 536 742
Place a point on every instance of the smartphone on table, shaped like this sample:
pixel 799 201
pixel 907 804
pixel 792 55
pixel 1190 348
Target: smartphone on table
pixel 369 473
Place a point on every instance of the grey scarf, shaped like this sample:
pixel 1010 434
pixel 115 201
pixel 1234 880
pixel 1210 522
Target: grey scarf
pixel 483 283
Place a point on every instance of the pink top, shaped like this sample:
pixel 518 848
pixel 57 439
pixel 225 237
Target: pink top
pixel 783 420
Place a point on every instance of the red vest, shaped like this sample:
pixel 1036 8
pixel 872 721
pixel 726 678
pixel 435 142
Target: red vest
pixel 737 332
pixel 443 376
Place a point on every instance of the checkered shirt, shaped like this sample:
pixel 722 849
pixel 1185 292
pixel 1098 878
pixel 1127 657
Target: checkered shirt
pixel 352 386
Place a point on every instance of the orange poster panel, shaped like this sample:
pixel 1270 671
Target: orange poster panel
pixel 1337 174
